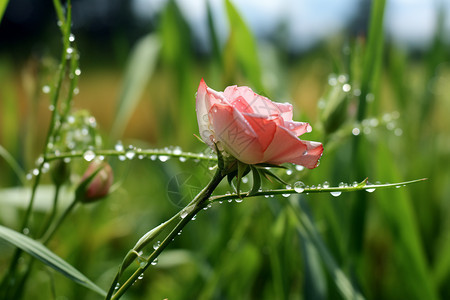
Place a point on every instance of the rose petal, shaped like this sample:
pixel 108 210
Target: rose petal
pixel 259 104
pixel 235 133
pixel 287 148
pixel 264 128
pixel 285 110
pixel 297 128
pixel 202 108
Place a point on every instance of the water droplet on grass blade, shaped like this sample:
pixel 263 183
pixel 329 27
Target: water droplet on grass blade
pixel 370 190
pixel 326 185
pixel 156 245
pixel 118 146
pixel 336 194
pixel 299 187
pixel 141 276
pixel 163 158
pixel 154 262
pixel 299 168
pixel 184 213
pixel 89 155
pixel 130 154
pixel 46 89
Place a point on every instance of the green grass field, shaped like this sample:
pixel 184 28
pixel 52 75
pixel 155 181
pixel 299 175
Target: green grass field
pixel 380 111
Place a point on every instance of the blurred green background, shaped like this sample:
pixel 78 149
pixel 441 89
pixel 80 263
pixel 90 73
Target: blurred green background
pixel 371 78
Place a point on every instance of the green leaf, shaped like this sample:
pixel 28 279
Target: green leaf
pixel 13 164
pixel 256 181
pixel 273 175
pixel 49 258
pixel 3 4
pixel 244 46
pixel 140 67
pixel 242 170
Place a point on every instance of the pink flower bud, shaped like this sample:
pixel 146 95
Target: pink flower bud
pixel 96 187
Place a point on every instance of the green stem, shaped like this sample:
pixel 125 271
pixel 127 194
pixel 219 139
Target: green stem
pixel 51 231
pixel 360 187
pixel 53 211
pixel 185 215
pixel 143 152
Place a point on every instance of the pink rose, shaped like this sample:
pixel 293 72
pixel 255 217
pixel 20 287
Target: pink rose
pixel 252 128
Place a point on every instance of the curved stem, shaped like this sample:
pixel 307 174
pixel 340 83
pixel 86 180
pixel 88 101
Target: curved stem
pixel 360 187
pixel 185 215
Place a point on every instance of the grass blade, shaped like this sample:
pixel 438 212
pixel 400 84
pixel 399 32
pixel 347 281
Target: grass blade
pixel 308 231
pixel 3 4
pixel 46 256
pixel 244 45
pixel 139 69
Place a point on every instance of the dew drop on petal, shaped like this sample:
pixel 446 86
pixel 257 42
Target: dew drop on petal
pixel 89 155
pixel 336 194
pixel 299 187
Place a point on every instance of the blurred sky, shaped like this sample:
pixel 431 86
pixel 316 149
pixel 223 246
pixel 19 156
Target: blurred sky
pixel 303 23
pixel 408 22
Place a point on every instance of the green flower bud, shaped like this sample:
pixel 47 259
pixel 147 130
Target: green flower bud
pixel 60 172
